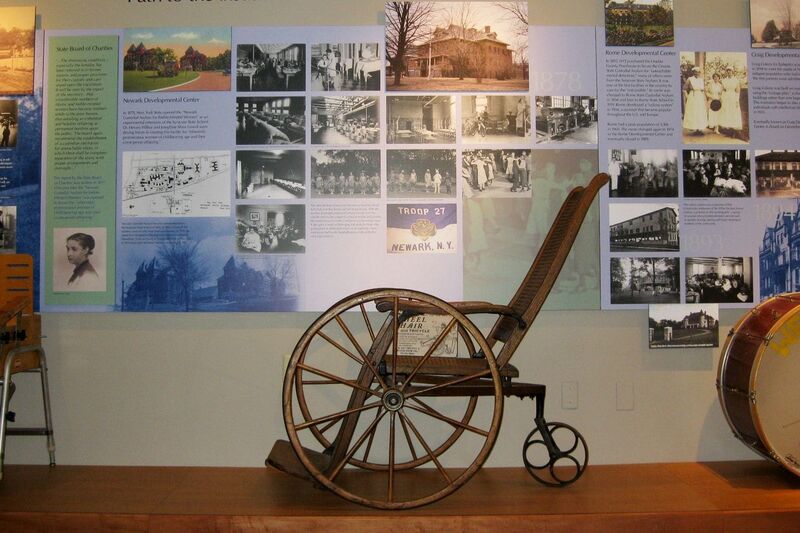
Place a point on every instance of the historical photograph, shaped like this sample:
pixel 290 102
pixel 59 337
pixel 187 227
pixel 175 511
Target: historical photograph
pixel 17 36
pixel 496 173
pixel 8 122
pixel 777 173
pixel 422 228
pixel 79 259
pixel 177 59
pixel 644 227
pixel 345 120
pixel 643 173
pixel 456 46
pixel 270 174
pixel 8 229
pixel 719 280
pixel 714 104
pixel 779 270
pixel 424 119
pixel 716 173
pixel 421 173
pixel 683 326
pixel 566 119
pixel 270 120
pixel 495 119
pixel 639 23
pixel 775 23
pixel 271 67
pixel 345 174
pixel 645 280
pixel 271 229
pixel 346 67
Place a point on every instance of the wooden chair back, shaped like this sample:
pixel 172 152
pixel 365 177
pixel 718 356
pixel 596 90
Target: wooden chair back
pixel 16 310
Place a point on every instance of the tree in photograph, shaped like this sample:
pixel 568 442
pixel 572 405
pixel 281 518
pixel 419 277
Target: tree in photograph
pixel 786 10
pixel 770 32
pixel 618 275
pixel 406 24
pixel 465 58
pixel 280 274
pixel 182 260
pixel 517 14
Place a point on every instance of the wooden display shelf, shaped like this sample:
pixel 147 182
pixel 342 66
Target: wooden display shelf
pixel 719 496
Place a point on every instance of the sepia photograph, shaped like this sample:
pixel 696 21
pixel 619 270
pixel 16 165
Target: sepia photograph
pixel 421 173
pixel 271 229
pixel 425 119
pixel 177 59
pixel 346 174
pixel 643 173
pixel 645 280
pixel 8 229
pixel 271 67
pixel 270 174
pixel 345 120
pixel 719 280
pixel 714 104
pixel 79 259
pixel 775 23
pixel 346 67
pixel 496 173
pixel 639 23
pixel 683 326
pixel 456 46
pixel 270 120
pixel 495 119
pixel 716 173
pixel 9 119
pixel 17 36
pixel 566 119
pixel 644 227
pixel 778 173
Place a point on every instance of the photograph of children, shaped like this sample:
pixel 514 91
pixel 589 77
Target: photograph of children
pixel 719 280
pixel 17 25
pixel 346 174
pixel 420 119
pixel 271 67
pixel 645 280
pixel 8 123
pixel 270 120
pixel 778 173
pixel 177 59
pixel 421 173
pixel 345 120
pixel 456 46
pixel 566 119
pixel 271 229
pixel 270 174
pixel 495 119
pixel 8 229
pixel 79 259
pixel 496 173
pixel 639 23
pixel 346 67
pixel 683 326
pixel 775 23
pixel 643 173
pixel 714 105
pixel 716 173
pixel 644 227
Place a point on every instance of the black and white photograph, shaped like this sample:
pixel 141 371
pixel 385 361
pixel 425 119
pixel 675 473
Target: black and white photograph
pixel 716 173
pixel 424 119
pixel 719 280
pixel 496 173
pixel 566 119
pixel 270 174
pixel 421 173
pixel 714 98
pixel 271 67
pixel 270 120
pixel 644 227
pixel 79 259
pixel 778 173
pixel 337 120
pixel 345 67
pixel 495 119
pixel 775 23
pixel 8 229
pixel 643 173
pixel 645 280
pixel 271 229
pixel 683 326
pixel 8 123
pixel 456 46
pixel 346 174
pixel 639 23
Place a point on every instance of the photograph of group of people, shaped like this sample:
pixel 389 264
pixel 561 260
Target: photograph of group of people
pixel 496 173
pixel 421 173
pixel 645 280
pixel 716 173
pixel 719 280
pixel 566 119
pixel 271 67
pixel 345 174
pixel 8 122
pixel 270 120
pixel 271 228
pixel 643 173
pixel 345 67
pixel 495 119
pixel 644 227
pixel 424 119
pixel 338 120
pixel 270 174
pixel 778 173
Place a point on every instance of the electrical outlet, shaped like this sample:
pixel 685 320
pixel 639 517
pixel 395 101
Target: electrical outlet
pixel 625 396
pixel 569 395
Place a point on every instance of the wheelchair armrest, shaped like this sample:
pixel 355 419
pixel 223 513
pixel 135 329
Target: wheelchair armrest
pixel 467 308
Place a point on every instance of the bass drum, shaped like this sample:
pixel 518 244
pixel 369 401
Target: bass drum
pixel 758 380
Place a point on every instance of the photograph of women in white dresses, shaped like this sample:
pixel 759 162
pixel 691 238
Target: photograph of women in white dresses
pixel 79 259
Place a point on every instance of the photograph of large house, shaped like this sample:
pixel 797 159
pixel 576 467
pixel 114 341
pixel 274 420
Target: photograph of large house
pixel 778 173
pixel 779 255
pixel 775 23
pixel 682 326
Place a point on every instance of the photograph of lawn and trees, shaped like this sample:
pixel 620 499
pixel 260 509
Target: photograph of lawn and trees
pixel 684 326
pixel 177 59
pixel 16 49
pixel 775 23
pixel 639 23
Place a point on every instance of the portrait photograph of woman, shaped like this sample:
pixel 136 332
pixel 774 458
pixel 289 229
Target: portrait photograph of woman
pixel 79 260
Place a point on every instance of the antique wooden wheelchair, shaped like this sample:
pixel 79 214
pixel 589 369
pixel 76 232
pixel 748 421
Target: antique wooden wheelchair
pixel 353 392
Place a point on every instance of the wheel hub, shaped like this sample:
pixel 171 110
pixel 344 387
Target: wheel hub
pixel 393 400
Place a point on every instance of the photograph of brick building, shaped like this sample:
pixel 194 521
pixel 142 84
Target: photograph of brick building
pixel 778 173
pixel 644 227
pixel 779 255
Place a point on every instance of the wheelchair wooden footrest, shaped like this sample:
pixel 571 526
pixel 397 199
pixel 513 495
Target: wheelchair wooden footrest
pixel 283 458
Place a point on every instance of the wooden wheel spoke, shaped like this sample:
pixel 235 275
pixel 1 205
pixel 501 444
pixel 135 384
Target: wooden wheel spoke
pixel 329 425
pixel 426 390
pixel 408 438
pixel 429 353
pixel 337 416
pixel 371 437
pixel 390 488
pixel 424 444
pixel 336 379
pixel 364 359
pixel 367 432
pixel 367 322
pixel 341 348
pixel 430 411
pixel 396 326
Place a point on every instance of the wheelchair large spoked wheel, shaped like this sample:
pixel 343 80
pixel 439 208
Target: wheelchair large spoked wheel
pixel 352 394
